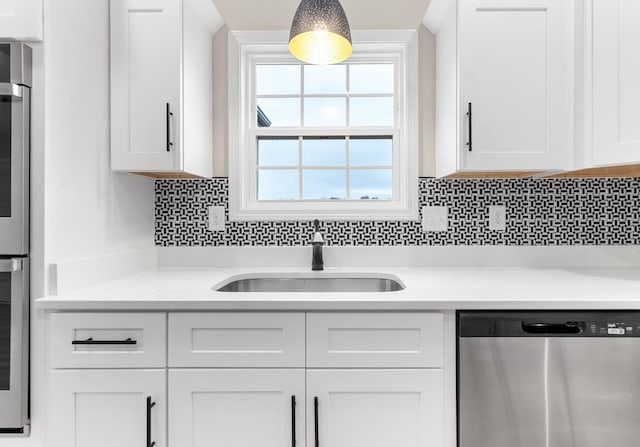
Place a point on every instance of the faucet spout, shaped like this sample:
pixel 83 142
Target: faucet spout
pixel 317 262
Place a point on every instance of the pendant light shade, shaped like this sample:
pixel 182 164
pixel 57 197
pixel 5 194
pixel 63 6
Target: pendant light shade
pixel 320 32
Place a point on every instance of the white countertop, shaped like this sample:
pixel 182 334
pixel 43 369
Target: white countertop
pixel 425 288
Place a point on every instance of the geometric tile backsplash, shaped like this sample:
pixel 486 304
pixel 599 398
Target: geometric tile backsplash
pixel 590 211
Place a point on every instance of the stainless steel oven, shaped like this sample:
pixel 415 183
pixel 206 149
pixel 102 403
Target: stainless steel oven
pixel 15 100
pixel 14 344
pixel 15 81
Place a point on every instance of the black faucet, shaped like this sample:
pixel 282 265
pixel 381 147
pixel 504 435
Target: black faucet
pixel 316 262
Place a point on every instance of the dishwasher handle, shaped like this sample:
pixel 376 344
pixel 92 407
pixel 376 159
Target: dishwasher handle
pixel 570 327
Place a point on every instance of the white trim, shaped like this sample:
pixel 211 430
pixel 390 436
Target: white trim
pixel 399 47
pixel 435 14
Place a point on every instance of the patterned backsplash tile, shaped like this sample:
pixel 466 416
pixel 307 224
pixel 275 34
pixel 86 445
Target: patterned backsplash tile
pixel 539 212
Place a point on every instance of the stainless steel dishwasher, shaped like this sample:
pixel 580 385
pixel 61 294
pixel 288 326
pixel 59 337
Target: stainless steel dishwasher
pixel 548 379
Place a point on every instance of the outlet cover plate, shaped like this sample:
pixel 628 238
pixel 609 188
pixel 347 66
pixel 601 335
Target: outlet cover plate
pixel 497 218
pixel 435 218
pixel 216 218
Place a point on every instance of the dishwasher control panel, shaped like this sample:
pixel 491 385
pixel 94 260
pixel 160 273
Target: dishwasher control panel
pixel 549 324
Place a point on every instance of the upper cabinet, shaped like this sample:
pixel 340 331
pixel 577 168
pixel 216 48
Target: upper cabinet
pixel 162 86
pixel 21 20
pixel 615 80
pixel 505 79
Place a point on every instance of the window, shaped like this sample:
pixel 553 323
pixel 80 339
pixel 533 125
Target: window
pixel 322 141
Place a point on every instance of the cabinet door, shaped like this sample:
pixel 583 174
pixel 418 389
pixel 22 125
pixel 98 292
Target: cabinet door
pixel 145 85
pixel 375 408
pixel 21 19
pixel 616 81
pixel 516 70
pixel 236 408
pixel 100 408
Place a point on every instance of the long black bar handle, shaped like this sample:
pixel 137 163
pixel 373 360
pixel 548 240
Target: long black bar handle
pixel 150 405
pixel 293 421
pixel 470 116
pixel 91 341
pixel 553 328
pixel 169 115
pixel 315 421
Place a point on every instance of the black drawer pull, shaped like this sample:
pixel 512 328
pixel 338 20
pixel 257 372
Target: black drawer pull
pixel 316 421
pixel 150 405
pixel 91 341
pixel 293 421
pixel 168 116
pixel 470 142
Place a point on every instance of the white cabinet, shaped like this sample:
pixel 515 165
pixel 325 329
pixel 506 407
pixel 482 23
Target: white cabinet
pixel 21 20
pixel 375 408
pixel 237 339
pixel 374 340
pixel 161 86
pixel 505 78
pixel 237 408
pixel 108 340
pixel 244 379
pixel 106 408
pixel 615 42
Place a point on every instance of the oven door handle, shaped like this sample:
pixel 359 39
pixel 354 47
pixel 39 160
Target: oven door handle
pixel 10 265
pixel 13 90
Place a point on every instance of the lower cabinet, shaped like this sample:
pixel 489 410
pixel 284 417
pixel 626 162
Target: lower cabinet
pixel 107 408
pixel 246 380
pixel 374 408
pixel 236 408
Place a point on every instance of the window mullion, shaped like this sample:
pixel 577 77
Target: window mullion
pixel 347 141
pixel 300 187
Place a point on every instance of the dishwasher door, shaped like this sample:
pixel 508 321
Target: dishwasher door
pixel 549 391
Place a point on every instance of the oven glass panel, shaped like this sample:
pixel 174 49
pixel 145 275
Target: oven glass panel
pixel 5 62
pixel 5 156
pixel 5 330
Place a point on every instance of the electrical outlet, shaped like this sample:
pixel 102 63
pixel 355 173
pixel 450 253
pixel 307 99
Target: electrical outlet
pixel 216 218
pixel 435 218
pixel 497 218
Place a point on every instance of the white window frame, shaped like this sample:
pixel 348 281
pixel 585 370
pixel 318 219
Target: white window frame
pixel 248 47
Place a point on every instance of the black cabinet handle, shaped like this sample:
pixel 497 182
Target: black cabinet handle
pixel 91 341
pixel 150 405
pixel 293 421
pixel 552 328
pixel 470 116
pixel 169 115
pixel 315 420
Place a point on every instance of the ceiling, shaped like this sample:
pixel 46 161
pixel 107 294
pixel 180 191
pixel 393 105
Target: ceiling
pixel 260 15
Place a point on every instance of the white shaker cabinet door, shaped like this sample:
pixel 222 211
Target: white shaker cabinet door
pixel 106 408
pixel 145 84
pixel 516 76
pixel 616 81
pixel 236 408
pixel 375 408
pixel 21 19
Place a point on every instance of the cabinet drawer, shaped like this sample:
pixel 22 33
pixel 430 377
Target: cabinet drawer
pixel 107 340
pixel 236 340
pixel 411 340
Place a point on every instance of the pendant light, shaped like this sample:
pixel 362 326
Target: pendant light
pixel 320 32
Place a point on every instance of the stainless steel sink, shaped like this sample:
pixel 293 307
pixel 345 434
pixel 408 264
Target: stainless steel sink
pixel 302 284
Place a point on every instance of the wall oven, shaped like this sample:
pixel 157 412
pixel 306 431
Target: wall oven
pixel 15 100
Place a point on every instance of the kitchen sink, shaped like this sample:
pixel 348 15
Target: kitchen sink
pixel 311 283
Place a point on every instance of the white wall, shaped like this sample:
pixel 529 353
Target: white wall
pixel 90 211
